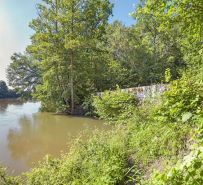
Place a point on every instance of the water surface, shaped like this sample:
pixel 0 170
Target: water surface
pixel 27 135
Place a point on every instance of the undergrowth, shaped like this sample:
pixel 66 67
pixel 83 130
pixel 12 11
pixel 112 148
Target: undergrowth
pixel 149 138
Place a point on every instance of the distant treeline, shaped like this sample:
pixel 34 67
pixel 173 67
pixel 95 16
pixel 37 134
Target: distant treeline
pixel 7 93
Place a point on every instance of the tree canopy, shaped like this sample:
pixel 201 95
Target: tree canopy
pixel 75 52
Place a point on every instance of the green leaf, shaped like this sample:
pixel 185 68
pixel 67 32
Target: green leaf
pixel 186 116
pixel 201 173
pixel 197 165
pixel 194 146
pixel 192 173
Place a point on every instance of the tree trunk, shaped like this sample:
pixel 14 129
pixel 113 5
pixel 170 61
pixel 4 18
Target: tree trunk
pixel 72 98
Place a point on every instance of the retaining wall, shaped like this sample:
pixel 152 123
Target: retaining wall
pixel 144 91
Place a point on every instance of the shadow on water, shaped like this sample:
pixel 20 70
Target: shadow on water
pixel 3 106
pixel 4 103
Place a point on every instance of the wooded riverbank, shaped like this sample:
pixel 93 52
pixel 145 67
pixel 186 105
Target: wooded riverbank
pixel 75 53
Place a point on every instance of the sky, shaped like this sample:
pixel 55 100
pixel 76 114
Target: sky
pixel 15 33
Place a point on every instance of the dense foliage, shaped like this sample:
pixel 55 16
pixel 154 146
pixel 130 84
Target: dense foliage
pixel 115 106
pixel 75 53
pixel 183 101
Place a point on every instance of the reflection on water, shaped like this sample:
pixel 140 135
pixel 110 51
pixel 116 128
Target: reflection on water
pixel 27 135
pixel 3 107
pixel 23 142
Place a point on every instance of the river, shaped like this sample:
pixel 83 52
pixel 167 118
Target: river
pixel 27 135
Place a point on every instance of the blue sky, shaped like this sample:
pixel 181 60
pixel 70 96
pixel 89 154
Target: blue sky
pixel 121 10
pixel 15 16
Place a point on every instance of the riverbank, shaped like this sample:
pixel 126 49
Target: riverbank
pixel 146 138
pixel 138 144
pixel 120 156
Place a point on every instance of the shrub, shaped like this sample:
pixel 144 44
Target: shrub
pixel 113 106
pixel 182 102
pixel 6 179
pixel 188 171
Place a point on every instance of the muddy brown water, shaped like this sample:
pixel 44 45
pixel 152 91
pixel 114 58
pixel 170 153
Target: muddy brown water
pixel 27 135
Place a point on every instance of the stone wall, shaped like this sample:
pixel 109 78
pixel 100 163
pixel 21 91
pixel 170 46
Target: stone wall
pixel 144 91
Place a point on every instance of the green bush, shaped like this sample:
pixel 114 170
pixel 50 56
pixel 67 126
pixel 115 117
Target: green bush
pixel 182 102
pixel 6 179
pixel 101 160
pixel 113 106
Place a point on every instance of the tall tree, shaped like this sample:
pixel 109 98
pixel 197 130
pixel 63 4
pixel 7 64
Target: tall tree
pixel 84 22
pixel 66 34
